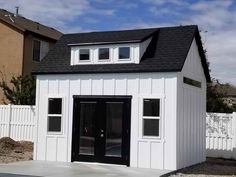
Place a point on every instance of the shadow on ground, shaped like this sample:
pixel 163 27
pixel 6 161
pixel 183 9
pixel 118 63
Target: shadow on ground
pixel 15 175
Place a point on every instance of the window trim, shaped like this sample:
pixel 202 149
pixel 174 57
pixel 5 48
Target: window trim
pixel 141 128
pixel 124 59
pixel 84 61
pixel 104 60
pixel 55 115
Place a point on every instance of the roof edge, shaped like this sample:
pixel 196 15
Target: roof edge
pixel 197 36
pixel 12 25
pixel 104 43
pixel 102 72
pixel 202 55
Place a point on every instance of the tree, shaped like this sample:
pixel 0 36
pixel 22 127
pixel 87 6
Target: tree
pixel 21 90
pixel 215 98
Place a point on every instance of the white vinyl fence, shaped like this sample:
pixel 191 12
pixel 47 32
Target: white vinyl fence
pixel 17 122
pixel 221 135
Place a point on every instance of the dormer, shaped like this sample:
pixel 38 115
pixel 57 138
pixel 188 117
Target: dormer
pixel 112 52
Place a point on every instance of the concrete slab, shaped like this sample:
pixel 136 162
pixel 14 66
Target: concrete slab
pixel 60 169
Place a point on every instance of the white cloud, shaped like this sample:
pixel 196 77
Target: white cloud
pixel 163 11
pixel 163 2
pixel 214 16
pixel 55 13
pixel 217 18
pixel 142 24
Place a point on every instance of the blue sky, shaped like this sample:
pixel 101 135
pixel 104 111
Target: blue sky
pixel 215 18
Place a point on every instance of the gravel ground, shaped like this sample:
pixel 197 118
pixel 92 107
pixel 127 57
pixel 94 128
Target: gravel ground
pixel 13 151
pixel 212 167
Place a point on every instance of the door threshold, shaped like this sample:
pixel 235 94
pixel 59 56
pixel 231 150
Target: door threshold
pixel 100 164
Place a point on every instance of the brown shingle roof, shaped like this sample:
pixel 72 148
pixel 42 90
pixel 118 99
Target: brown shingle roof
pixel 24 24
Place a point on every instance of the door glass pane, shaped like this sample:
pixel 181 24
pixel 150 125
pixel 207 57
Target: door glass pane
pixel 87 115
pixel 114 115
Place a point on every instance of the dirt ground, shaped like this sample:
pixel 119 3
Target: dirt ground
pixel 13 151
pixel 212 167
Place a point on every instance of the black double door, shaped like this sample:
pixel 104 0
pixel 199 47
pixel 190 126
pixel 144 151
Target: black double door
pixel 101 129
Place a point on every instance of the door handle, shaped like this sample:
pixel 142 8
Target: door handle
pixel 102 133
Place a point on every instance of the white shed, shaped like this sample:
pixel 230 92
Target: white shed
pixel 134 97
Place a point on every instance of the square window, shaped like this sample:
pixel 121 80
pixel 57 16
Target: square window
pixel 151 107
pixel 104 54
pixel 124 53
pixel 150 127
pixel 54 105
pixel 84 54
pixel 54 123
pixel 36 50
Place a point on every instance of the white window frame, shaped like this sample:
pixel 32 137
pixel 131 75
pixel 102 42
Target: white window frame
pixel 151 117
pixel 124 59
pixel 55 115
pixel 104 60
pixel 84 61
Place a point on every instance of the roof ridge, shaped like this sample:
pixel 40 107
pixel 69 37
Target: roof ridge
pixel 127 30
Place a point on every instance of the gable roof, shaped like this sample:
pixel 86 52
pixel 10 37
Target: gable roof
pixel 23 24
pixel 166 52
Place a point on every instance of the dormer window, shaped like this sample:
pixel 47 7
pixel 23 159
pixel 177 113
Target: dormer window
pixel 84 55
pixel 104 54
pixel 124 53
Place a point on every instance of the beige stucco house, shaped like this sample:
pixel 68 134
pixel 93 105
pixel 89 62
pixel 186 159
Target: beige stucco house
pixel 23 43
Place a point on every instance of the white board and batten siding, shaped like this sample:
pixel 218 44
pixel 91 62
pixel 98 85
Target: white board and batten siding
pixel 191 112
pixel 159 153
pixel 17 122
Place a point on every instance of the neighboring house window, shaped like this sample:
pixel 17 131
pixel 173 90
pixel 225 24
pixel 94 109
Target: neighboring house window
pixel 36 50
pixel 54 115
pixel 84 55
pixel 104 54
pixel 124 53
pixel 40 49
pixel 192 82
pixel 151 117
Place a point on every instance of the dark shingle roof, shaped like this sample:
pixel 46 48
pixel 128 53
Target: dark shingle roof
pixel 110 37
pixel 166 52
pixel 24 24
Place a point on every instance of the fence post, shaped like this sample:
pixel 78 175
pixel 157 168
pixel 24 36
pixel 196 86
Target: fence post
pixel 9 120
pixel 234 134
